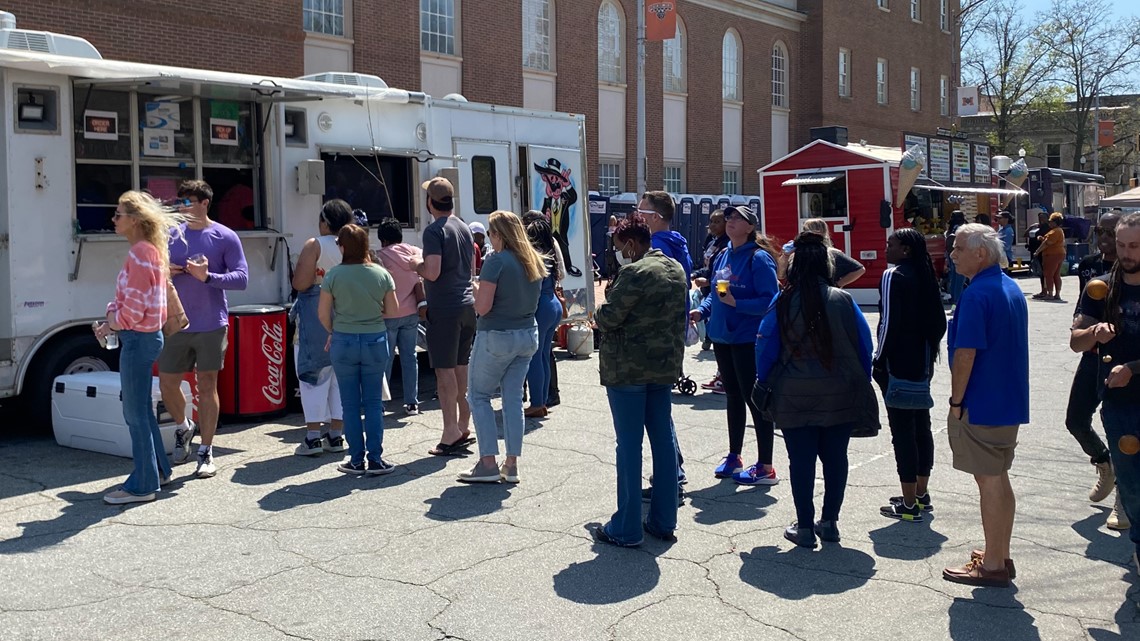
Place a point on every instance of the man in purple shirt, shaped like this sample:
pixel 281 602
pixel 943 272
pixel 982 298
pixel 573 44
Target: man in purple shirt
pixel 205 261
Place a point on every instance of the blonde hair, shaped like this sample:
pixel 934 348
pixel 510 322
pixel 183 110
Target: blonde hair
pixel 819 227
pixel 156 224
pixel 509 228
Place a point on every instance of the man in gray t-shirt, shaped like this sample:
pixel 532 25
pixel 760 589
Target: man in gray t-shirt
pixel 448 267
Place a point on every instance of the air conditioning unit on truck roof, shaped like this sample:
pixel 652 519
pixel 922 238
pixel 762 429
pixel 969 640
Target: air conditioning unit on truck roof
pixel 43 41
pixel 352 79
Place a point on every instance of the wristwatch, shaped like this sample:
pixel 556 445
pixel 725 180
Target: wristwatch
pixel 208 277
pixel 953 404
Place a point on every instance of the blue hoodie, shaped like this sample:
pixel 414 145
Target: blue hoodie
pixel 753 284
pixel 673 245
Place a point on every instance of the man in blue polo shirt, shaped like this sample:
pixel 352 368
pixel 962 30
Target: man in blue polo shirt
pixel 988 340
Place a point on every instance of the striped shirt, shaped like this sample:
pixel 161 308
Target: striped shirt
pixel 140 291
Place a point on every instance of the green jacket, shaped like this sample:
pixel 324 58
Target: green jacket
pixel 643 323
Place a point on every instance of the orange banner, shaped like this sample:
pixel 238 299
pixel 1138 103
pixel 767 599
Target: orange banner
pixel 1106 133
pixel 660 20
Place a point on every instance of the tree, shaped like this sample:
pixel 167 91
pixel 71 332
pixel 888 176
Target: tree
pixel 1089 54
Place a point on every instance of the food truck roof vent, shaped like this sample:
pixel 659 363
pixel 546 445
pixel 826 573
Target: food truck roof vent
pixel 834 134
pixel 43 41
pixel 352 79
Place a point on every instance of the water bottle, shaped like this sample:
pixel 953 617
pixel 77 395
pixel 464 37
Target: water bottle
pixel 112 341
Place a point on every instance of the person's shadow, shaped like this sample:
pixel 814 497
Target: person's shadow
pixel 725 502
pixel 988 611
pixel 1102 545
pixel 906 541
pixel 831 570
pixel 467 501
pixel 338 485
pixel 614 575
pixel 1127 615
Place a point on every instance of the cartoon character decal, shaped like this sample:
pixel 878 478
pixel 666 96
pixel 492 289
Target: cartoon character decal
pixel 558 205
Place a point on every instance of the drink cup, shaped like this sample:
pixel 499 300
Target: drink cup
pixel 197 260
pixel 102 340
pixel 112 341
pixel 722 287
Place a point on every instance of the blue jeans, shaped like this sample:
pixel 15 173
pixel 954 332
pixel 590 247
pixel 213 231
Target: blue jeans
pixel 829 445
pixel 138 351
pixel 499 360
pixel 402 334
pixel 359 361
pixel 1120 419
pixel 639 410
pixel 538 375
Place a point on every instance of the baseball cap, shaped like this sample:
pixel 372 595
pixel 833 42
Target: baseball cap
pixel 439 189
pixel 477 228
pixel 743 211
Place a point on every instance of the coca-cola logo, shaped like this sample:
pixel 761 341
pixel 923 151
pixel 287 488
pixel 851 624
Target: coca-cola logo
pixel 273 348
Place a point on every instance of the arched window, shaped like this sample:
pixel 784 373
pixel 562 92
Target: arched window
pixel 611 43
pixel 731 66
pixel 538 34
pixel 779 75
pixel 674 60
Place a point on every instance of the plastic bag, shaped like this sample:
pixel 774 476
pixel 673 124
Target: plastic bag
pixel 692 337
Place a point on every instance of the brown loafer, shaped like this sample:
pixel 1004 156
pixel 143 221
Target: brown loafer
pixel 539 411
pixel 974 574
pixel 1009 567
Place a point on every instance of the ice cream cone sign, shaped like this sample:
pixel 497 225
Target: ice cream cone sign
pixel 911 165
pixel 1018 172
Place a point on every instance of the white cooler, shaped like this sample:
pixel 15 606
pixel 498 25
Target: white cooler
pixel 87 413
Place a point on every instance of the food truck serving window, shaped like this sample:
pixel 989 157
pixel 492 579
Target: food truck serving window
pixel 131 140
pixel 380 185
pixel 824 197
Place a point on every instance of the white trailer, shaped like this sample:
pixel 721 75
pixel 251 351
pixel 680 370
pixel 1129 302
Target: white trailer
pixel 79 130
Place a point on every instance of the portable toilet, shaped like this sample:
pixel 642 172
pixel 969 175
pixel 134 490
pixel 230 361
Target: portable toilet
pixel 599 226
pixel 623 204
pixel 723 201
pixel 754 204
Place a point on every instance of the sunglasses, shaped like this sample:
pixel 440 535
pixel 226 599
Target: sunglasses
pixel 649 212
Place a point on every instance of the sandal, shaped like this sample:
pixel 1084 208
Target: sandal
pixel 458 448
pixel 1040 296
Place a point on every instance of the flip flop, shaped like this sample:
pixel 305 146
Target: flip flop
pixel 458 448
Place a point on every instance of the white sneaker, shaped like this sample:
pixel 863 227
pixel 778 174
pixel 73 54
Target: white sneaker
pixel 121 497
pixel 309 448
pixel 206 467
pixel 1118 520
pixel 1105 482
pixel 183 438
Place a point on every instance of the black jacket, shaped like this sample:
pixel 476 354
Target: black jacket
pixel 911 318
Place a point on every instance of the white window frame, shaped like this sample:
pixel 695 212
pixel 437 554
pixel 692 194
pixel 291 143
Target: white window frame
pixel 327 10
pixel 915 89
pixel 916 10
pixel 538 35
pixel 844 72
pixel 610 182
pixel 779 75
pixel 944 95
pixel 677 180
pixel 673 64
pixel 611 43
pixel 883 4
pixel 882 81
pixel 438 41
pixel 730 181
pixel 944 15
pixel 732 70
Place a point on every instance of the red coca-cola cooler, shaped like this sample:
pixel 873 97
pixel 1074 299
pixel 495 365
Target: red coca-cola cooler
pixel 252 381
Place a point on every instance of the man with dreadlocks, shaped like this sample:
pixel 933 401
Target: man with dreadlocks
pixel 1112 327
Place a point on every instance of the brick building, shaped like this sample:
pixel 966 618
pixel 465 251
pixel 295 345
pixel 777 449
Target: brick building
pixel 741 83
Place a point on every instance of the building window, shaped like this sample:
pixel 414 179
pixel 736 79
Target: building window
pixel 779 76
pixel 1053 155
pixel 944 95
pixel 324 16
pixel 437 26
pixel 537 34
pixel 485 194
pixel 609 178
pixel 844 73
pixel 611 43
pixel 730 61
pixel 673 52
pixel 883 4
pixel 730 184
pixel 881 81
pixel 944 15
pixel 674 179
pixel 915 89
pixel 915 11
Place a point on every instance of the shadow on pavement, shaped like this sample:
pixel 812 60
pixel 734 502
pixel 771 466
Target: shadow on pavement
pixel 467 501
pixel 831 570
pixel 907 541
pixel 81 512
pixel 1103 544
pixel 1127 616
pixel 338 485
pixel 725 502
pixel 991 610
pixel 614 575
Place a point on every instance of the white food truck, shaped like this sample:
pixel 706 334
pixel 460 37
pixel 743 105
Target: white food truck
pixel 79 130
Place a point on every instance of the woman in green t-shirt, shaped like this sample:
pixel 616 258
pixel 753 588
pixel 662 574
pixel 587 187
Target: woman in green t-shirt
pixel 354 295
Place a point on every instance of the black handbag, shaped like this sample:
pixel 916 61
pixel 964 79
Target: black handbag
pixel 762 399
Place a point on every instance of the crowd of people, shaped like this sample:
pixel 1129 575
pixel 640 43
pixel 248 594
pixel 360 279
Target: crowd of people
pixel 793 350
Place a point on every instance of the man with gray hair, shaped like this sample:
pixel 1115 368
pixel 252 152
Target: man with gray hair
pixel 988 345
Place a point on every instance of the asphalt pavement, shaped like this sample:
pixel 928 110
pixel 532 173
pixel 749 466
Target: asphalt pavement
pixel 283 547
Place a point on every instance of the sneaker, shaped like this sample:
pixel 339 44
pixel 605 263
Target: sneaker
pixel 122 497
pixel 668 537
pixel 335 444
pixel 1118 520
pixel 647 494
pixel 827 531
pixel 923 502
pixel 183 437
pixel 718 388
pixel 902 512
pixel 509 474
pixel 380 468
pixel 801 536
pixel 682 478
pixel 729 465
pixel 411 409
pixel 206 467
pixel 355 469
pixel 713 384
pixel 309 448
pixel 480 474
pixel 755 475
pixel 1105 482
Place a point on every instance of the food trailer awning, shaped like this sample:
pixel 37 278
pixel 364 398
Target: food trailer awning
pixel 933 186
pixel 812 179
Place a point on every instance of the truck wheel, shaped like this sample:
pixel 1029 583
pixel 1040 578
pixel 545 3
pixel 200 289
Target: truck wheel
pixel 73 354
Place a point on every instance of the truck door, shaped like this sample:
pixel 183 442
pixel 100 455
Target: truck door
pixel 484 178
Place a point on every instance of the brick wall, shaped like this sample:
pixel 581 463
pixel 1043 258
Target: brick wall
pixel 386 41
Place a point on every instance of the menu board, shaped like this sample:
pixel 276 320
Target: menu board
pixel 910 140
pixel 982 164
pixel 940 159
pixel 961 163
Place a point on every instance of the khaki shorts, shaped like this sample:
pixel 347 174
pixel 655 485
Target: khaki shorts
pixel 186 350
pixel 982 450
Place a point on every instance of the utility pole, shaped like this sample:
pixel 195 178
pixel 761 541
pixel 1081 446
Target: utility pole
pixel 640 97
pixel 1096 129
